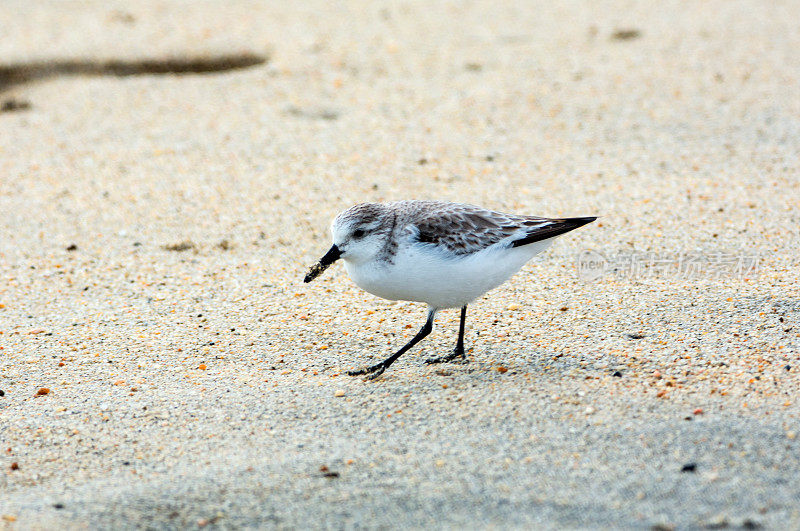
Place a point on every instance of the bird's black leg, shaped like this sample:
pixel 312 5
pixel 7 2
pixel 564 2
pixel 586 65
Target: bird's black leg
pixel 458 353
pixel 460 342
pixel 376 370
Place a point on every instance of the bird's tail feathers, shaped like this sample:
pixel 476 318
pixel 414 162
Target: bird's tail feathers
pixel 551 229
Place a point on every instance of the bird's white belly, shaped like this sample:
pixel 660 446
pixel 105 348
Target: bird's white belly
pixel 427 275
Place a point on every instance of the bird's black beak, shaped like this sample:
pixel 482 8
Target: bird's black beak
pixel 330 257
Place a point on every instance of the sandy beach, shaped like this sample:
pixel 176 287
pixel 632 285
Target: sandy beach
pixel 169 171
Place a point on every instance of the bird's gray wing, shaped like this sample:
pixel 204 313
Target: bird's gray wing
pixel 464 229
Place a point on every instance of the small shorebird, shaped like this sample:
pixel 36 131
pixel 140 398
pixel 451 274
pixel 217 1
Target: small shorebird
pixel 444 254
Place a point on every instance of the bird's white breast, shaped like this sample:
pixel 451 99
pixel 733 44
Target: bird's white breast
pixel 424 273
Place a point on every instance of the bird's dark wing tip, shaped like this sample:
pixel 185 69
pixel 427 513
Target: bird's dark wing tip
pixel 579 222
pixel 556 227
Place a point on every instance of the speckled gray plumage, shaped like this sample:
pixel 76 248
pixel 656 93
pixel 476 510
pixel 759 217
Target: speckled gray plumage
pixel 458 228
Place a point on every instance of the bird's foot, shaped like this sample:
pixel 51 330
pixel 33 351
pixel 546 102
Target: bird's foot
pixel 457 356
pixel 372 372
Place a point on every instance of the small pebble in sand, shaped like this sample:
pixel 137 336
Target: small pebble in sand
pixel 338 393
pixel 43 391
pixel 326 472
pixel 13 105
pixel 14 466
pixel 625 34
pixel 180 247
pixel 718 522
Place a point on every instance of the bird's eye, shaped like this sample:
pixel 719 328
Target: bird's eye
pixel 358 234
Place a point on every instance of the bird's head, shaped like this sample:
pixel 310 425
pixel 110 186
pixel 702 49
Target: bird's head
pixel 359 234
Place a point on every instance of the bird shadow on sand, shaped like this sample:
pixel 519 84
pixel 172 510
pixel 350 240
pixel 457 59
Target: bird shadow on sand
pixel 539 362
